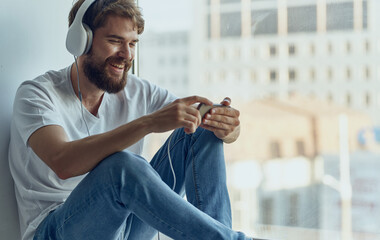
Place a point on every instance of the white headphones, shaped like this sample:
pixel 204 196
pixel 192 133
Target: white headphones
pixel 79 36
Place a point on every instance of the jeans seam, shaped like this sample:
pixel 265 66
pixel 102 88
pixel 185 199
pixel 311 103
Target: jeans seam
pixel 195 177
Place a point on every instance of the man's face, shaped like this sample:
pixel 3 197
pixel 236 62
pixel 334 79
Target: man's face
pixel 110 58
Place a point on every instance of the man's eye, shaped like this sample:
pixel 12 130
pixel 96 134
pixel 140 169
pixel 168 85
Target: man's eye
pixel 114 41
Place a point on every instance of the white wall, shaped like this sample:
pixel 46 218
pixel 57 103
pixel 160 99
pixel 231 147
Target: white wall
pixel 32 41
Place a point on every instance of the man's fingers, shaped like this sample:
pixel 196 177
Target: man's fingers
pixel 196 99
pixel 226 111
pixel 226 101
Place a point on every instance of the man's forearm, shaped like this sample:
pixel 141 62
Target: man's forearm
pixel 73 158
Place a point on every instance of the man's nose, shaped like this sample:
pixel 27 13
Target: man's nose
pixel 125 52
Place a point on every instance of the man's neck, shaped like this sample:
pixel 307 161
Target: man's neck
pixel 90 94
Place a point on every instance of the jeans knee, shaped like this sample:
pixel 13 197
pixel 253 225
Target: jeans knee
pixel 125 167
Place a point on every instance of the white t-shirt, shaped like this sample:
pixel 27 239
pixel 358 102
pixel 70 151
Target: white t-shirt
pixel 50 100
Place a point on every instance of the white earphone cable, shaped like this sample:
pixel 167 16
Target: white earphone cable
pixel 80 97
pixel 171 163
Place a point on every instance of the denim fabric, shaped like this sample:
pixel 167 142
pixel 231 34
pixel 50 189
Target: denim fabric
pixel 126 197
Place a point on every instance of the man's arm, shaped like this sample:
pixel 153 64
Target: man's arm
pixel 73 158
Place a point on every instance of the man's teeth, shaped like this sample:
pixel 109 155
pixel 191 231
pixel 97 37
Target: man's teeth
pixel 121 66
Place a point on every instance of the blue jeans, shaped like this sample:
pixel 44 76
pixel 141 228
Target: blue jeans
pixel 125 197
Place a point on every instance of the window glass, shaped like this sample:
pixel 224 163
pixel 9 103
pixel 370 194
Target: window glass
pixel 302 19
pixel 305 78
pixel 230 24
pixel 264 22
pixel 340 16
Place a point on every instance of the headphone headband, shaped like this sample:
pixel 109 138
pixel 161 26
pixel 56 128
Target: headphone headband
pixel 79 35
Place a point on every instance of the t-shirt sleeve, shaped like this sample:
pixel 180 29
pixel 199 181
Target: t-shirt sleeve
pixel 159 97
pixel 33 108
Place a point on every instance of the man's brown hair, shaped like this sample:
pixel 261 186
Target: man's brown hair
pixel 96 15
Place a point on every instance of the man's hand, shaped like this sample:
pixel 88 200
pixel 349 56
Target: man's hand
pixel 224 122
pixel 179 113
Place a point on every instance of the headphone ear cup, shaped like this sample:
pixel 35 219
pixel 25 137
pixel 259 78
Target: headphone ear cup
pixel 89 38
pixel 76 39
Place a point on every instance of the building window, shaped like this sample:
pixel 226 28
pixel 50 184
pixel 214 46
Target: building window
pixel 367 46
pixel 209 26
pixel 312 49
pixel 264 22
pixel 273 76
pixel 367 73
pixel 292 50
pixel 302 19
pixel 272 51
pixel 330 49
pixel 365 14
pixel 348 47
pixel 230 24
pixel 340 16
pixel 368 100
pixel 330 74
pixel 275 150
pixel 348 74
pixel 348 100
pixel 292 75
pixel 312 75
pixel 300 148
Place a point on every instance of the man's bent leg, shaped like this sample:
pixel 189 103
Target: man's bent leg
pixel 199 165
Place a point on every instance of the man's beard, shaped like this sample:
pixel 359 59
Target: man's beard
pixel 97 73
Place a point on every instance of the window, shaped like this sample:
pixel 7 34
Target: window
pixel 348 73
pixel 348 99
pixel 367 100
pixel 273 76
pixel 230 24
pixel 275 150
pixel 300 148
pixel 292 75
pixel 365 14
pixel 312 75
pixel 312 49
pixel 367 46
pixel 367 73
pixel 272 51
pixel 292 50
pixel 302 19
pixel 264 22
pixel 291 70
pixel 340 16
pixel 348 48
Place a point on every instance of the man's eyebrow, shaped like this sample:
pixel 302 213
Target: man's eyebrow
pixel 120 37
